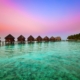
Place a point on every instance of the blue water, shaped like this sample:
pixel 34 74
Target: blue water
pixel 40 61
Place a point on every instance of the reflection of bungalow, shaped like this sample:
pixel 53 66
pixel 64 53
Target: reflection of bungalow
pixel 46 38
pixel 39 38
pixel 30 38
pixel 21 39
pixel 58 38
pixel 52 39
pixel 9 39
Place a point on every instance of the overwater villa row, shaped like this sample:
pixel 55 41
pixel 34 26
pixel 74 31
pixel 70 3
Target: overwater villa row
pixel 21 39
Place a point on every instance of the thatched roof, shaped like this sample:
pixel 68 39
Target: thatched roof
pixel 52 38
pixel 21 37
pixel 9 36
pixel 39 38
pixel 30 38
pixel 46 38
pixel 58 38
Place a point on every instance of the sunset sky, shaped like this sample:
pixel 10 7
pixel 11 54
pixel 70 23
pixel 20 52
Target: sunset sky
pixel 39 17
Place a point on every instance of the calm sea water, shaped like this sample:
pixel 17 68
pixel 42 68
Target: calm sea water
pixel 40 61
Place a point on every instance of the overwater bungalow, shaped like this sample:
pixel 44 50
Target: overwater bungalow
pixel 9 39
pixel 52 38
pixel 45 38
pixel 30 38
pixel 21 39
pixel 39 39
pixel 0 41
pixel 58 38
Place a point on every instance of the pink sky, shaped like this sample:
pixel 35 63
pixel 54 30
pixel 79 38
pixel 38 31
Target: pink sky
pixel 16 20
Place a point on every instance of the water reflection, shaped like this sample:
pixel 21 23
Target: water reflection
pixel 10 50
pixel 39 46
pixel 31 42
pixel 30 47
pixel 40 61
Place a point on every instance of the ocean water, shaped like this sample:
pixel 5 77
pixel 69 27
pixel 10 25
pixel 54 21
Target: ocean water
pixel 40 61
